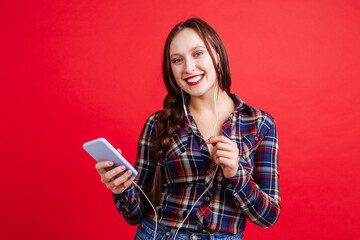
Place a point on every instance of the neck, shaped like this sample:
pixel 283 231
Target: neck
pixel 205 103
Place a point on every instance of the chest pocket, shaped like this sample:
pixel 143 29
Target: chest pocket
pixel 179 163
pixel 248 146
pixel 179 142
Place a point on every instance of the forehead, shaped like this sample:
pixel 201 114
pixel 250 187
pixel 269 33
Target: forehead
pixel 185 41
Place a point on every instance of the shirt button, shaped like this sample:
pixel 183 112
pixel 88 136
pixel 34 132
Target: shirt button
pixel 167 233
pixel 207 199
pixel 193 237
pixel 229 185
pixel 256 138
pixel 212 166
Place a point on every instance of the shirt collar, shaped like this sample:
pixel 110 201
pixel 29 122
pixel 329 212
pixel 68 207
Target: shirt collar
pixel 240 106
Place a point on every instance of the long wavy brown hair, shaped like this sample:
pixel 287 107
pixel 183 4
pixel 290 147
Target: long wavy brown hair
pixel 170 118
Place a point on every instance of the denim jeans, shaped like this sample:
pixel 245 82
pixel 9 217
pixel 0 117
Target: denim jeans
pixel 146 231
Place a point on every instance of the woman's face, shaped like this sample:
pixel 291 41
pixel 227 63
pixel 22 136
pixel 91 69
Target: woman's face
pixel 191 64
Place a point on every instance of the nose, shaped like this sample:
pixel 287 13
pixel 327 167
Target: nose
pixel 190 66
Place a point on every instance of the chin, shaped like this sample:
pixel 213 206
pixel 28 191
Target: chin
pixel 197 93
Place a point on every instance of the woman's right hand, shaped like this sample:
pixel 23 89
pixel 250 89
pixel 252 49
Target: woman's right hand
pixel 116 185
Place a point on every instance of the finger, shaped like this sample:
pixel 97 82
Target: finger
pixel 100 166
pixel 124 184
pixel 217 139
pixel 113 172
pixel 224 154
pixel 226 162
pixel 123 178
pixel 224 147
pixel 119 150
pixel 128 182
pixel 110 185
pixel 229 148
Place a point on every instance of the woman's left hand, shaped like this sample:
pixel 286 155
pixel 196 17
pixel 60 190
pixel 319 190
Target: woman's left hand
pixel 225 153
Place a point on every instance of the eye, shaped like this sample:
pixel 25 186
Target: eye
pixel 199 53
pixel 176 60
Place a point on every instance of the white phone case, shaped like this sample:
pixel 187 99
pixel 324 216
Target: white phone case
pixel 101 150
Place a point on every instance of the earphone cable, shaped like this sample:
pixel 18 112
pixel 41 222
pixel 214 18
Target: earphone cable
pixel 217 166
pixel 156 218
pixel 211 182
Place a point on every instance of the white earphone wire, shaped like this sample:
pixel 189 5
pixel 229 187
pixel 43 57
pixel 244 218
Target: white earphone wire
pixel 211 182
pixel 151 206
pixel 216 111
pixel 217 166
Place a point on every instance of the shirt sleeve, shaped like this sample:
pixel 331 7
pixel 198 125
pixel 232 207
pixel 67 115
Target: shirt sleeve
pixel 128 203
pixel 258 195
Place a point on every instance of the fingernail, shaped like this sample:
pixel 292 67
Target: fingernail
pixel 128 172
pixel 122 167
pixel 207 140
pixel 111 163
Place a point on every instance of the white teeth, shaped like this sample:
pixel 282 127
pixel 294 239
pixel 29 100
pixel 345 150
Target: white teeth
pixel 194 79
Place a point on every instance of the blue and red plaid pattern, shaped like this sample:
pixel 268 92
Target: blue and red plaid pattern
pixel 253 193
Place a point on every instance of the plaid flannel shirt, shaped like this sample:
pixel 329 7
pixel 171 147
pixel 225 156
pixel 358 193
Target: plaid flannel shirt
pixel 253 193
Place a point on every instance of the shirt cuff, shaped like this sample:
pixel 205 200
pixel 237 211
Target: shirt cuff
pixel 236 183
pixel 126 195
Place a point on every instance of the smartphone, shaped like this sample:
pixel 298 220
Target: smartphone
pixel 101 150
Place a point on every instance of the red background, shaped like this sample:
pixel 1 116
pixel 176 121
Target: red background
pixel 72 71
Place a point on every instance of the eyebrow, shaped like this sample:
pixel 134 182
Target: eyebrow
pixel 192 49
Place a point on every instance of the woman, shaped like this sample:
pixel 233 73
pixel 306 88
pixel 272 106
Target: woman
pixel 201 127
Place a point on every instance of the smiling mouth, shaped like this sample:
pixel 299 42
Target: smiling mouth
pixel 194 79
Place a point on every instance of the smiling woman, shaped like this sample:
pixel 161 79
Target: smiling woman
pixel 208 161
pixel 191 64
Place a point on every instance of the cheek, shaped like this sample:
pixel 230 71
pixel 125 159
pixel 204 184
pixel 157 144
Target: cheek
pixel 209 66
pixel 211 71
pixel 177 75
pixel 176 71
